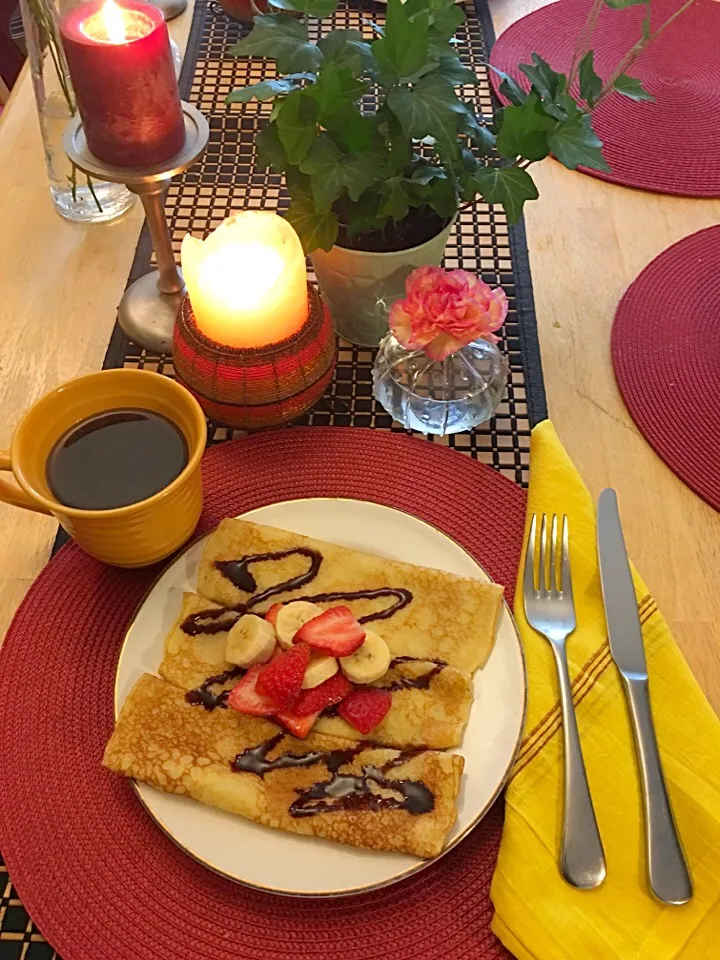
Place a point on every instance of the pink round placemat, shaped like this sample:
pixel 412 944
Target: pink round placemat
pixel 670 146
pixel 96 874
pixel 666 354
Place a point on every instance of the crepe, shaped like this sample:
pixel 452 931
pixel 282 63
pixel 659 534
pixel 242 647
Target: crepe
pixel 377 798
pixel 449 618
pixel 434 717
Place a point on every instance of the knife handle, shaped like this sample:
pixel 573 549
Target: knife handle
pixel 668 872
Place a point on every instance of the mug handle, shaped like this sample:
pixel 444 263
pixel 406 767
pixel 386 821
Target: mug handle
pixel 9 493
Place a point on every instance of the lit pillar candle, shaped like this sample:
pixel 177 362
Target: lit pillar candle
pixel 247 282
pixel 122 71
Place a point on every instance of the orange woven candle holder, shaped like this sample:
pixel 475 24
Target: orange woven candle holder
pixel 251 388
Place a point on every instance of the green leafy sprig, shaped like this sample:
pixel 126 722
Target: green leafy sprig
pixel 423 146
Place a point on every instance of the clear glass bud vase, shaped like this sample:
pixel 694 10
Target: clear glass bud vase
pixel 75 196
pixel 440 396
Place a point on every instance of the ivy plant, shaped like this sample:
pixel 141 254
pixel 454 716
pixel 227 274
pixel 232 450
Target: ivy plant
pixel 369 132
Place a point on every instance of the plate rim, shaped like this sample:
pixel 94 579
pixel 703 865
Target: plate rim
pixel 369 887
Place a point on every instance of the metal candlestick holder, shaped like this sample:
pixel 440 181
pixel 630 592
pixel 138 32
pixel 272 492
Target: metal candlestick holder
pixel 170 8
pixel 150 305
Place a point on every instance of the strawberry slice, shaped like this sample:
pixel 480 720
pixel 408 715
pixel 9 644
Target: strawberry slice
pixel 271 615
pixel 364 709
pixel 246 698
pixel 299 727
pixel 282 678
pixel 335 631
pixel 330 691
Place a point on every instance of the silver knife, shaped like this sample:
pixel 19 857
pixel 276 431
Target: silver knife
pixel 668 872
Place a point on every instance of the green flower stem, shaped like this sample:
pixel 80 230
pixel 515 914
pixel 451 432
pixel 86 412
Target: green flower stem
pixel 583 41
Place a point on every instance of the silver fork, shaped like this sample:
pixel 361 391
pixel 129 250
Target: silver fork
pixel 551 612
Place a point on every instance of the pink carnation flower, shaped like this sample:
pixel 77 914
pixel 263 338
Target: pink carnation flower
pixel 445 309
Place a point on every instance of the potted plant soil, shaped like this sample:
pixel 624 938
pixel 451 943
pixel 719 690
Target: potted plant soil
pixel 379 149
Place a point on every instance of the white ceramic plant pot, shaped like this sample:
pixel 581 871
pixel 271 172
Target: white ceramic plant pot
pixel 360 287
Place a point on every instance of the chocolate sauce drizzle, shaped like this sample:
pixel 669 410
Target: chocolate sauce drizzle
pixel 343 791
pixel 238 573
pixel 254 759
pixel 421 682
pixel 204 696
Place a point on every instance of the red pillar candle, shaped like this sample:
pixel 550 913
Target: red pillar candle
pixel 124 81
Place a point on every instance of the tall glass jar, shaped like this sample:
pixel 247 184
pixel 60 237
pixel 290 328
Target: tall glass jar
pixel 76 196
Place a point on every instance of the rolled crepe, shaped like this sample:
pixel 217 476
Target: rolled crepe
pixel 325 787
pixel 446 617
pixel 434 717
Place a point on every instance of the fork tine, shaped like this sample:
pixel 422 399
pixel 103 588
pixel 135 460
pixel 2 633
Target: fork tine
pixel 553 556
pixel 567 591
pixel 529 581
pixel 543 556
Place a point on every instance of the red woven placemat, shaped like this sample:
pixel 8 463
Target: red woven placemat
pixel 666 355
pixel 97 876
pixel 670 146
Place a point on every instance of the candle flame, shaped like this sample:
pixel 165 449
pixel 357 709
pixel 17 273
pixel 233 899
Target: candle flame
pixel 242 275
pixel 113 21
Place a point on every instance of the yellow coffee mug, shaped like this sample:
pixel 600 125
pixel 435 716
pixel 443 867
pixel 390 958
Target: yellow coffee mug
pixel 132 536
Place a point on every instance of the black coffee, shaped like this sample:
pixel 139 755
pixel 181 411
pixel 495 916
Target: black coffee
pixel 116 458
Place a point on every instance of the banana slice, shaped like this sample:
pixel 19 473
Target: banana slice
pixel 319 669
pixel 251 640
pixel 369 662
pixel 291 617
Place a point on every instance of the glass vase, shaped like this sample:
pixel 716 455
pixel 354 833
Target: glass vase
pixel 76 196
pixel 439 396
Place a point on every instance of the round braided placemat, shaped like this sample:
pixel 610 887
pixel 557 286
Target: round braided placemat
pixel 97 876
pixel 666 353
pixel 670 146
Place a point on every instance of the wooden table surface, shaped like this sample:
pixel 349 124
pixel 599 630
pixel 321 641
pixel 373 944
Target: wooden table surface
pixel 588 240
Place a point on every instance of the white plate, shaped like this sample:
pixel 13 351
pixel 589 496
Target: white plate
pixel 307 866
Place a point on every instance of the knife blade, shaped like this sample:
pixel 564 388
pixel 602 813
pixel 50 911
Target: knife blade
pixel 621 610
pixel 667 869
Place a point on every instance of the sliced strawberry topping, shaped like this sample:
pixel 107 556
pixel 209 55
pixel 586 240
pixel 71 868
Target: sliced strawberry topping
pixel 271 615
pixel 246 698
pixel 299 727
pixel 364 709
pixel 324 695
pixel 282 678
pixel 335 631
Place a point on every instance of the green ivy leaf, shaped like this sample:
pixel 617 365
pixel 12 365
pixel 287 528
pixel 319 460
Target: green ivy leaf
pixel 316 230
pixel 351 130
pixel 548 83
pixel 479 133
pixel 445 18
pixel 283 39
pixel 575 143
pixel 268 89
pixel 296 125
pixel 364 214
pixel 632 87
pixel 322 165
pixel 334 90
pixel 430 107
pixel 510 88
pixel 443 198
pixel 346 48
pixel 313 8
pixel 509 186
pixel 590 83
pixel 525 130
pixel 396 203
pixel 403 49
pixel 359 171
pixel 425 173
pixel 450 68
pixel 562 109
pixel 270 152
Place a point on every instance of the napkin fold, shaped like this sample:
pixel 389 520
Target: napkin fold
pixel 539 916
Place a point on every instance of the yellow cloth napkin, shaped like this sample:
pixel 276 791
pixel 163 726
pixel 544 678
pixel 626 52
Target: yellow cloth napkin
pixel 539 916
